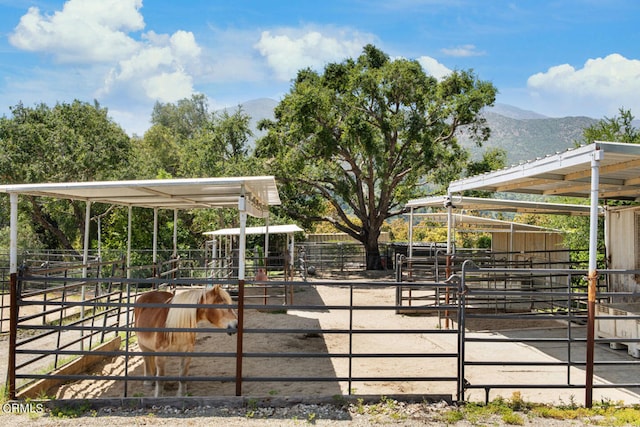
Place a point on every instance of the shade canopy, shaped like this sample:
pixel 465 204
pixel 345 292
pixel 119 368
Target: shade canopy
pixel 272 229
pixel 481 224
pixel 498 205
pixel 567 174
pixel 260 192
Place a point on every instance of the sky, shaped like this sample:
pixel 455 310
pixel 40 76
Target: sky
pixel 555 57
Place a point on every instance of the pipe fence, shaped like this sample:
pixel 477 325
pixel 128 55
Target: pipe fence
pixel 329 335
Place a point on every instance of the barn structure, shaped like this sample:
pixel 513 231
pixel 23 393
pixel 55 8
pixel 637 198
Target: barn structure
pixel 251 196
pixel 599 172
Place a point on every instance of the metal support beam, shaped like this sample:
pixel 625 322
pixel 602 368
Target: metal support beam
pixel 592 276
pixel 13 233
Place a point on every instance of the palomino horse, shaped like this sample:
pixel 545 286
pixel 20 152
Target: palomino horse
pixel 178 317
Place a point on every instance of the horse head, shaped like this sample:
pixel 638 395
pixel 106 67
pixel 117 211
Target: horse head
pixel 220 317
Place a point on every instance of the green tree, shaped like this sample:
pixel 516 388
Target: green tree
pixel 187 140
pixel 69 142
pixel 615 129
pixel 367 135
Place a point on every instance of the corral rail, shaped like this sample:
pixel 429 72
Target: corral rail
pixel 333 338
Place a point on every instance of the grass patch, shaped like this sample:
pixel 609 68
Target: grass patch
pixel 516 411
pixel 68 411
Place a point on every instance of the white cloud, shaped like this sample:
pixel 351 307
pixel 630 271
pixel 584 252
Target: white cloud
pixel 288 51
pixel 600 87
pixel 433 67
pixel 98 33
pixel 463 51
pixel 85 31
pixel 169 87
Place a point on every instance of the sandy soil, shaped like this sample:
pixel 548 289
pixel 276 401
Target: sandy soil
pixel 258 369
pixel 300 342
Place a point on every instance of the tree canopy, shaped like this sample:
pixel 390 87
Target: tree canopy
pixel 350 146
pixel 67 142
pixel 79 142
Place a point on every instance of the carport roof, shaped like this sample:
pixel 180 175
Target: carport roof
pixel 272 229
pixel 499 205
pixel 464 222
pixel 567 174
pixel 260 192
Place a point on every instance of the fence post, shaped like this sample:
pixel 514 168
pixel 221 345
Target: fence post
pixel 239 349
pixel 13 326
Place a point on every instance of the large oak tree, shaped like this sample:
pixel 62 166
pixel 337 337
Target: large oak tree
pixel 350 146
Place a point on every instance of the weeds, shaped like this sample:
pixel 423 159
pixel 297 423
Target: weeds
pixel 514 411
pixel 70 411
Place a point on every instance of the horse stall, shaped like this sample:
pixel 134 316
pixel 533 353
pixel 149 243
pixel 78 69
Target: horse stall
pixel 513 245
pixel 65 315
pixel 619 316
pixel 597 172
pixel 268 266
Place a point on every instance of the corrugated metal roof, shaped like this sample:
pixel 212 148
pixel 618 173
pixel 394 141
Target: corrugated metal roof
pixel 498 205
pixel 273 229
pixel 567 174
pixel 260 192
pixel 463 222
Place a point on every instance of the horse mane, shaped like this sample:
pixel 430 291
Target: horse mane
pixel 183 317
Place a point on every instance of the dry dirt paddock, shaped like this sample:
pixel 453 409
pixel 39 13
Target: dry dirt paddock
pixel 321 296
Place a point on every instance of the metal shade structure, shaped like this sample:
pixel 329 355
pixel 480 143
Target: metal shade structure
pixel 250 195
pixel 497 205
pixel 481 224
pixel 598 171
pixel 288 229
pixel 260 192
pixel 272 229
pixel 568 174
pixel 465 204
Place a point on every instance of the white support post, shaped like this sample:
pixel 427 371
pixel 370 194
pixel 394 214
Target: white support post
pixel 449 206
pixel 593 212
pixel 129 242
pixel 13 233
pixel 410 250
pixel 85 261
pixel 242 244
pixel 155 236
pixel 292 259
pixel 175 233
pixel 266 243
pixel 87 228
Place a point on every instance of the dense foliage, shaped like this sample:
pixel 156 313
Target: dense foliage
pixel 80 142
pixel 350 146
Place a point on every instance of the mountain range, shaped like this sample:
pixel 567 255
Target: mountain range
pixel 524 135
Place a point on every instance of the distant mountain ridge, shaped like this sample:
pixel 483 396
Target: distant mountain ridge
pixel 524 135
pixel 531 138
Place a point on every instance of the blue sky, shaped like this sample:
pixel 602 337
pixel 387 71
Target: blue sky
pixel 555 57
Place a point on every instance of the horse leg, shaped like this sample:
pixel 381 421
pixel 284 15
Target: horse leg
pixel 160 360
pixel 149 369
pixel 184 371
pixel 149 365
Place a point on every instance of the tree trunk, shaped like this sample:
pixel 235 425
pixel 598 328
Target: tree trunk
pixel 373 259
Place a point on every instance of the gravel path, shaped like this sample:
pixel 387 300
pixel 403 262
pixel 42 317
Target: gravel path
pixel 388 412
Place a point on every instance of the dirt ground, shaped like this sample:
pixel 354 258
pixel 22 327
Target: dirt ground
pixel 257 343
pixel 259 368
